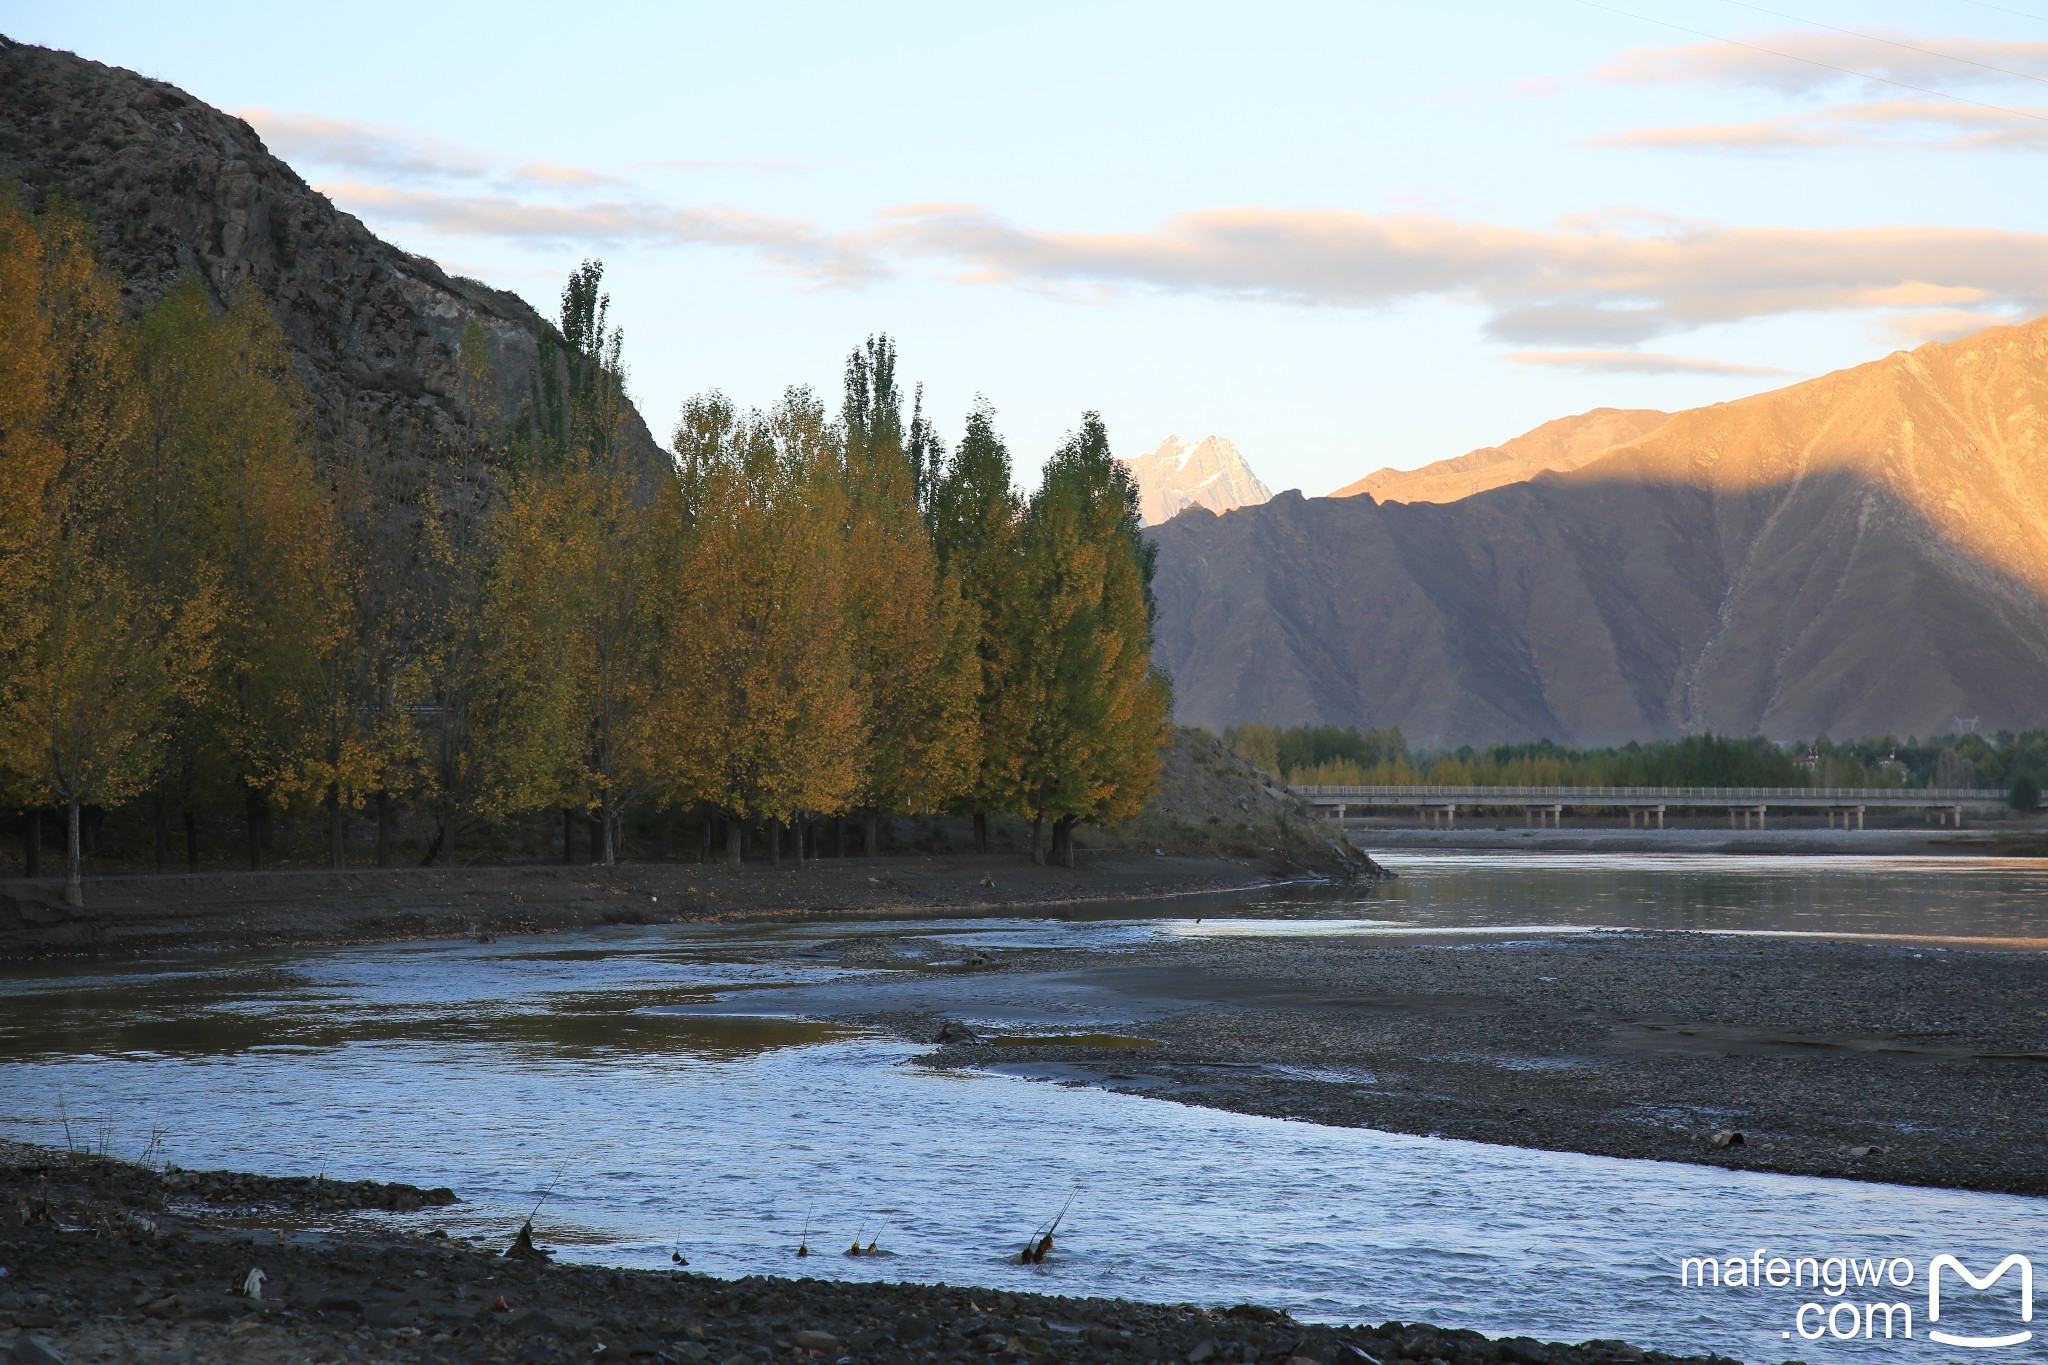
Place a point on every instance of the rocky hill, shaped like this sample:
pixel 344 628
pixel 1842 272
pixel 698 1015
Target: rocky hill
pixel 1206 473
pixel 1561 445
pixel 174 186
pixel 1863 553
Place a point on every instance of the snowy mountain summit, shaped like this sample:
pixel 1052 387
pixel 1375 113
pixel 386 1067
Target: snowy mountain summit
pixel 1182 474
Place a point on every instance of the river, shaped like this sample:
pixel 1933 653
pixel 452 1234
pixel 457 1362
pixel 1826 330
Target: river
pixel 672 1090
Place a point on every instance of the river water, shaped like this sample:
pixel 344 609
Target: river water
pixel 657 1080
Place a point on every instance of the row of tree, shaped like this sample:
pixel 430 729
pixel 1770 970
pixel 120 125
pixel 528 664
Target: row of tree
pixel 207 603
pixel 1347 756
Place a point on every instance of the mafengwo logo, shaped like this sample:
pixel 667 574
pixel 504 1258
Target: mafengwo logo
pixel 1860 1298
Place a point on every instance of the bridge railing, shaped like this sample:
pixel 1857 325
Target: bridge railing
pixel 1715 795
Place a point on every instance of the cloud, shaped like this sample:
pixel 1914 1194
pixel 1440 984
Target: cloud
pixel 1600 281
pixel 377 148
pixel 385 152
pixel 1934 124
pixel 1945 324
pixel 1642 362
pixel 548 173
pixel 1570 284
pixel 1819 61
pixel 791 244
pixel 718 166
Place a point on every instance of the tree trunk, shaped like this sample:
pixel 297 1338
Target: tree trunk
pixel 774 842
pixel 568 836
pixel 32 842
pixel 839 836
pixel 870 834
pixel 607 820
pixel 383 828
pixel 1063 841
pixel 191 841
pixel 160 823
pixel 1038 838
pixel 337 829
pixel 732 841
pixel 74 881
pixel 981 831
pixel 252 815
pixel 704 844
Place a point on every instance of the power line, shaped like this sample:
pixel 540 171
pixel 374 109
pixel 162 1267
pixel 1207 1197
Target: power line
pixel 2003 10
pixel 1889 42
pixel 1825 66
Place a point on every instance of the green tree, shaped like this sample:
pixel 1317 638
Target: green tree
pixel 1087 701
pixel 975 515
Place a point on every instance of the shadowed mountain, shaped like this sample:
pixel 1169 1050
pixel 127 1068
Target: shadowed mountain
pixel 173 186
pixel 1561 445
pixel 1863 553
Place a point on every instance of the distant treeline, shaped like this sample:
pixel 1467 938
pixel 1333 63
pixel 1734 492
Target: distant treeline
pixel 208 605
pixel 1343 755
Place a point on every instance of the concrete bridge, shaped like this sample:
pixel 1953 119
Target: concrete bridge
pixel 1748 805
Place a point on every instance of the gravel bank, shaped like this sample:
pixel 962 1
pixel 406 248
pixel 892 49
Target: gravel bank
pixel 1909 1065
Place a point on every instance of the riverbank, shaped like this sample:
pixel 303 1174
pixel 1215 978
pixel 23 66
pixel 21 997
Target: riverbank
pixel 233 912
pixel 1903 1064
pixel 112 1261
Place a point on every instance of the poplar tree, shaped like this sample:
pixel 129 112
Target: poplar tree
pixel 974 515
pixel 234 494
pixel 94 659
pixel 912 637
pixel 764 718
pixel 575 608
pixel 1087 704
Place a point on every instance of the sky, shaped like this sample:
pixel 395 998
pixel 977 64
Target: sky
pixel 1344 236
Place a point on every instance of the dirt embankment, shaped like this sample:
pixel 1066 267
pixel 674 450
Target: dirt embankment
pixel 232 912
pixel 109 1261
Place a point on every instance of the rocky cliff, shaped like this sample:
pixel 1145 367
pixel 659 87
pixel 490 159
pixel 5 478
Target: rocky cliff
pixel 1206 473
pixel 174 186
pixel 1863 553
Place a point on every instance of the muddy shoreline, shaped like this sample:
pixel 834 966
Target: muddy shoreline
pixel 109 1261
pixel 1899 1064
pixel 225 913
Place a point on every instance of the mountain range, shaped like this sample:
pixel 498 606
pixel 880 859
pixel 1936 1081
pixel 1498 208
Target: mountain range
pixel 1181 474
pixel 1863 553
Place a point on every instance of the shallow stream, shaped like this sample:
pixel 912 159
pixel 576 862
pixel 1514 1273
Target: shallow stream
pixel 661 1083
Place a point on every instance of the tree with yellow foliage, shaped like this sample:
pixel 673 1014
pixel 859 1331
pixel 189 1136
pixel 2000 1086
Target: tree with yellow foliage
pixel 233 495
pixel 764 716
pixel 94 658
pixel 912 636
pixel 575 606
